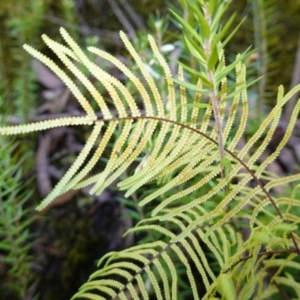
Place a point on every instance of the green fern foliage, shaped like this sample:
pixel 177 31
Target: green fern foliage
pixel 206 204
pixel 15 218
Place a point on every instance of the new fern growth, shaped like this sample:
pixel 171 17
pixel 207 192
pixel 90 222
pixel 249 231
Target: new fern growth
pixel 196 215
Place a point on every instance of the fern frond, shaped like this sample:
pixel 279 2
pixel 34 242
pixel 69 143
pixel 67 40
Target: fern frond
pixel 59 188
pixel 199 203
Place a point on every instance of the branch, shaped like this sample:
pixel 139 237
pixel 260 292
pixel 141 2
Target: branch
pixel 292 250
pixel 122 18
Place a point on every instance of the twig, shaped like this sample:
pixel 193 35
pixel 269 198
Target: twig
pixel 107 35
pixel 292 250
pixel 134 16
pixel 126 24
pixel 295 80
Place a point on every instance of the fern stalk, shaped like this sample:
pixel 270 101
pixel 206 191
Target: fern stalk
pixel 212 93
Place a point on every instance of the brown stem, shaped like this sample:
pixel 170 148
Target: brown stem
pixel 266 253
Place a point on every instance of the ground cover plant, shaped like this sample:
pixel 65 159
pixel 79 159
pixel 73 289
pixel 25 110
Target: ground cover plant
pixel 215 228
